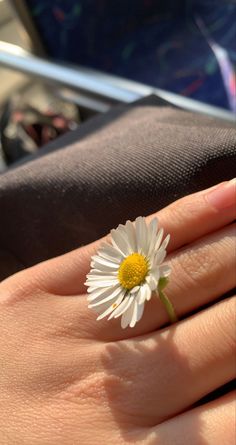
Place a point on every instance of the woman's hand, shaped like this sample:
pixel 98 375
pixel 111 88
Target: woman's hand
pixel 67 379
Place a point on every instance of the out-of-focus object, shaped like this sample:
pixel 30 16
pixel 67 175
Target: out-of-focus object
pixel 5 13
pixel 186 47
pixel 31 119
pixel 61 31
pixel 96 90
pixel 11 32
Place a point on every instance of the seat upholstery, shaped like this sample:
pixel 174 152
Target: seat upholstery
pixel 184 46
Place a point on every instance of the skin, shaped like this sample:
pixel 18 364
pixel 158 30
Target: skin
pixel 67 379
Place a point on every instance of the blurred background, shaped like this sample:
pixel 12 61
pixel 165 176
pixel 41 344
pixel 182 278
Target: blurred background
pixel 9 32
pixel 88 55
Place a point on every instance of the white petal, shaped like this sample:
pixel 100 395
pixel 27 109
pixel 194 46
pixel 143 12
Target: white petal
pixel 122 229
pixel 134 290
pixel 113 259
pixel 101 282
pixel 144 294
pixel 165 242
pixel 134 315
pixel 141 295
pixel 149 294
pixel 122 308
pixel 165 270
pixel 140 311
pixel 108 277
pixel 100 260
pixel 159 239
pixel 111 308
pixel 119 242
pixel 141 234
pixel 127 316
pixel 108 249
pixel 101 292
pixel 101 308
pixel 103 268
pixel 111 296
pixel 96 284
pixel 130 230
pixel 151 258
pixel 152 282
pixel 100 273
pixel 152 232
pixel 160 256
pixel 155 271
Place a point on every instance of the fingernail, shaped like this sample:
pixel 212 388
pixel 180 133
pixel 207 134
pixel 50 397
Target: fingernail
pixel 223 196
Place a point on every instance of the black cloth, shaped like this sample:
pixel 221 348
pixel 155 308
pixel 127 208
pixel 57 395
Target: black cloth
pixel 131 161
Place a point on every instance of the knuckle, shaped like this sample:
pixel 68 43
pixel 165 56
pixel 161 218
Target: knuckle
pixel 184 210
pixel 197 266
pixel 14 291
pixel 97 388
pixel 206 262
pixel 90 389
pixel 17 291
pixel 226 322
pixel 100 381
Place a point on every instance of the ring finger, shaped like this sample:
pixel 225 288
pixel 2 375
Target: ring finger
pixel 171 370
pixel 201 273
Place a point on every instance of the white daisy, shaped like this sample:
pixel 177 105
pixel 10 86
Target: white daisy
pixel 124 274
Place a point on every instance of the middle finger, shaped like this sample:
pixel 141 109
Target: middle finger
pixel 152 378
pixel 201 273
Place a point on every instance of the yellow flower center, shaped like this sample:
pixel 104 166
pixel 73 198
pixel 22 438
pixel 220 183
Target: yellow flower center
pixel 133 270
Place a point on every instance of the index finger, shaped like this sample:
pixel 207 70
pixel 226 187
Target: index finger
pixel 186 220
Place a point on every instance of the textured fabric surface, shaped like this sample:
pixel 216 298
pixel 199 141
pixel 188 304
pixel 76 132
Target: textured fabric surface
pixel 131 161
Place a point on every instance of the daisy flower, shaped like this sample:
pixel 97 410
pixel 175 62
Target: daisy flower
pixel 125 273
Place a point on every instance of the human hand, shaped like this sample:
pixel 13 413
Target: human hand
pixel 67 379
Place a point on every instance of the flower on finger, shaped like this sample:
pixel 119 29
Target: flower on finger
pixel 125 273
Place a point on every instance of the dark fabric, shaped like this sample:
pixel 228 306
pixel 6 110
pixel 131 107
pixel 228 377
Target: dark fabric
pixel 184 46
pixel 132 161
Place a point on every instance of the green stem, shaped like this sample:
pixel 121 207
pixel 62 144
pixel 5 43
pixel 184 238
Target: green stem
pixel 168 305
